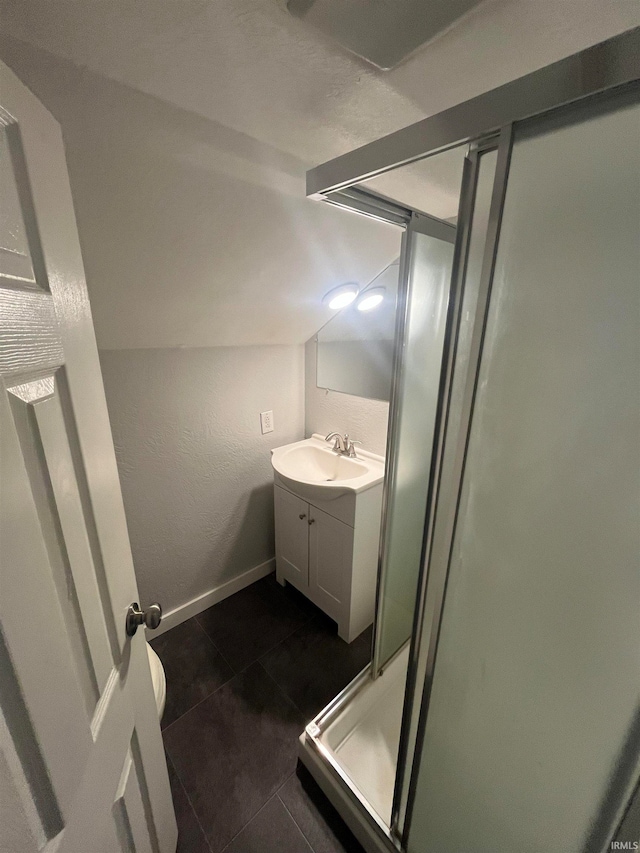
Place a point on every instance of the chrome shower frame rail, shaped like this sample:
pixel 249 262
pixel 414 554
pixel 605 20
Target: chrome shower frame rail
pixel 421 224
pixel 375 206
pixel 613 62
pixel 459 267
pixel 312 741
pixel 434 571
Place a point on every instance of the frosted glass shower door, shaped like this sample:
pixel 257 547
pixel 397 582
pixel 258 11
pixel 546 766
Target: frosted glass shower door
pixel 532 735
pixel 426 264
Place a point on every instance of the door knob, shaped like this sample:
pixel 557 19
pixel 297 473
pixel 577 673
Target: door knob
pixel 302 515
pixel 151 617
pixel 312 521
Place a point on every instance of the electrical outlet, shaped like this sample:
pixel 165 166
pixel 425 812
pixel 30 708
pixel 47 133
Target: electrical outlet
pixel 266 422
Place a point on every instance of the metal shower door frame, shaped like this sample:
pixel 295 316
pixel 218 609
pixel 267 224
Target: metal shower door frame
pixel 594 74
pixel 429 226
pixel 440 532
pixel 374 206
pixel 435 566
pixel 456 299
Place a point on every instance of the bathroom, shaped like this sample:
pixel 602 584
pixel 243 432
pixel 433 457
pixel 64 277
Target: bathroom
pixel 282 460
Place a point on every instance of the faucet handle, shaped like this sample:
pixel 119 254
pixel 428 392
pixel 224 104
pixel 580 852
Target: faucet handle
pixel 349 445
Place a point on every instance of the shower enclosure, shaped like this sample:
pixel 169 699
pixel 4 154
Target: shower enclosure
pixel 501 711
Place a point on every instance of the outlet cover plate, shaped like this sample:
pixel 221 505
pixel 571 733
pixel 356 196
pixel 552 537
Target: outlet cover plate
pixel 266 422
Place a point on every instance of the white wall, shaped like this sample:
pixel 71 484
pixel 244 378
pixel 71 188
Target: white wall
pixel 194 235
pixel 326 411
pixel 194 467
pixel 192 218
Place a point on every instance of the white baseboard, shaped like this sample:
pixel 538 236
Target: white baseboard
pixel 207 599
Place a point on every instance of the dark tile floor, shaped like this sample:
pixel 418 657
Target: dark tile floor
pixel 243 679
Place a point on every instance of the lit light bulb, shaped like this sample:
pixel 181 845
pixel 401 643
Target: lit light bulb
pixel 371 299
pixel 341 296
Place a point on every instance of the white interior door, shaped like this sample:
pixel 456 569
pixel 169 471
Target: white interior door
pixel 82 767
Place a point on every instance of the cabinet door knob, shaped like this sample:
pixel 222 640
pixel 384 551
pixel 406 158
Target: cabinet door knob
pixel 302 515
pixel 312 521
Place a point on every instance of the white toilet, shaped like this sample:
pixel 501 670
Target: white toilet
pixel 159 680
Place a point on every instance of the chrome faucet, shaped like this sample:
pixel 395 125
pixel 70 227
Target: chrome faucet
pixel 343 444
pixel 339 441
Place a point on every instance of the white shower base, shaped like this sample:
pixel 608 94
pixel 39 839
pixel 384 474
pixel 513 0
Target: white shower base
pixel 351 749
pixel 365 736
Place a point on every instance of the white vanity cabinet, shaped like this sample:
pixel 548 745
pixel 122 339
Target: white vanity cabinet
pixel 292 539
pixel 331 561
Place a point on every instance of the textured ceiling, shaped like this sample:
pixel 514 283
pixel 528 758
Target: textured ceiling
pixel 384 32
pixel 249 65
pixel 240 97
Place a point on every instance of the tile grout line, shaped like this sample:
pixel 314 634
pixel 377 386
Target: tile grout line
pixel 228 681
pixel 235 674
pixel 215 690
pixel 253 817
pixel 284 696
pixel 212 641
pixel 259 659
pixel 271 796
pixel 305 624
pixel 243 827
pixel 284 806
pixel 305 621
pixel 184 790
pixel 199 702
pixel 282 690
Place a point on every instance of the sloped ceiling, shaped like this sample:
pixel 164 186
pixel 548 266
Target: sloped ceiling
pixel 189 125
pixel 250 66
pixel 383 32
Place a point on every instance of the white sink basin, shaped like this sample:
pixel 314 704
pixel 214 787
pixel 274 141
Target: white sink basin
pixel 313 464
pixel 312 469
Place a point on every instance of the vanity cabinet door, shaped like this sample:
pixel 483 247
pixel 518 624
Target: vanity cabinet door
pixel 292 539
pixel 330 558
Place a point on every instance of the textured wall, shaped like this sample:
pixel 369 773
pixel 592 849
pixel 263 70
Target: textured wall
pixel 194 467
pixel 325 411
pixel 193 234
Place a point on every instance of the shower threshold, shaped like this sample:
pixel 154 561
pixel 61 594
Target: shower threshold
pixel 351 749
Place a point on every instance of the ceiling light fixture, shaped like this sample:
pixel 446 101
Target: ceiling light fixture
pixel 371 298
pixel 341 296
